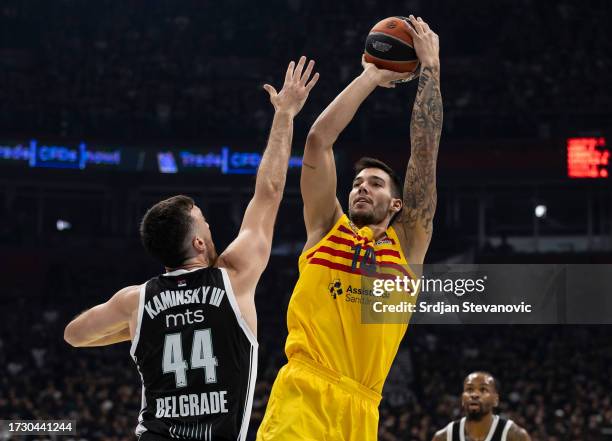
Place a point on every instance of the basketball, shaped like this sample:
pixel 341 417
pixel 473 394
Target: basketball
pixel 389 46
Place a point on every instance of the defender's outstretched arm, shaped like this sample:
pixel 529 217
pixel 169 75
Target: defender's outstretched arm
pixel 420 197
pixel 247 256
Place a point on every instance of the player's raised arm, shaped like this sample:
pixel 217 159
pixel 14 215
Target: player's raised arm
pixel 247 256
pixel 104 324
pixel 318 180
pixel 415 224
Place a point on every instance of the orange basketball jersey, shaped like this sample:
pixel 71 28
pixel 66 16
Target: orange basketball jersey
pixel 325 317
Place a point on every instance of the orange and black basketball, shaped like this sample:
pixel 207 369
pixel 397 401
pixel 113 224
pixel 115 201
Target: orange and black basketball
pixel 389 46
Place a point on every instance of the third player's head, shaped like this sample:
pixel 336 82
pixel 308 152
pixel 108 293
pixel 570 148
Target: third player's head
pixel 376 196
pixel 480 395
pixel 175 232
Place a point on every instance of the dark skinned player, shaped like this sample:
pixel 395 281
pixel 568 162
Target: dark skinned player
pixel 480 397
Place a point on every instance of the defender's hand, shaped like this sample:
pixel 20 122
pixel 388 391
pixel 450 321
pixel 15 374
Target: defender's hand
pixel 426 42
pixel 383 77
pixel 295 91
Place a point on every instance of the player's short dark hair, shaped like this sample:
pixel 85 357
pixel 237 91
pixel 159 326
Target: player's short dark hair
pixel 396 183
pixel 496 382
pixel 164 228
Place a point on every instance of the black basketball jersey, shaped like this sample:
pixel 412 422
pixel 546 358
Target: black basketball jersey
pixel 196 356
pixel 455 431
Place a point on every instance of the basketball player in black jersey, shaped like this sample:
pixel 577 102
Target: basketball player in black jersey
pixel 193 328
pixel 480 396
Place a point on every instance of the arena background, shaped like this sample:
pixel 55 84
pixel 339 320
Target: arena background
pixel 156 86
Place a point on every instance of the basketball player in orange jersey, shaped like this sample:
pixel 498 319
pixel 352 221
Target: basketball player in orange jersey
pixel 193 328
pixel 330 388
pixel 480 396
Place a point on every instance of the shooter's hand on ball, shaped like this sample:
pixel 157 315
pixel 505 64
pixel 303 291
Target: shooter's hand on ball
pixel 426 42
pixel 295 91
pixel 383 77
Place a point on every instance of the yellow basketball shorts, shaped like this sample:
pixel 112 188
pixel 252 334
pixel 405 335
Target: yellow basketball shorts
pixel 310 402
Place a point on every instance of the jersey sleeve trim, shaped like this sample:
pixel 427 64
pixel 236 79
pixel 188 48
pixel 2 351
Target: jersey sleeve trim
pixel 232 299
pixel 141 302
pixel 462 429
pixel 246 417
pixel 506 430
pixel 493 427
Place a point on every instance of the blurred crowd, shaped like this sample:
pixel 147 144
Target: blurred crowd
pixel 194 69
pixel 555 381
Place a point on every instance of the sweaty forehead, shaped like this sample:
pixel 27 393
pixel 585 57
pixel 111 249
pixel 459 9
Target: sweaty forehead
pixel 367 173
pixel 478 380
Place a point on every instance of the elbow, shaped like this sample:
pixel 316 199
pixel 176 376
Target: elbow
pixel 318 139
pixel 270 184
pixel 71 337
pixel 314 137
pixel 272 189
pixel 275 192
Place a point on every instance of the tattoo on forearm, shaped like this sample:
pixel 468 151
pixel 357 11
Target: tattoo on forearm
pixel 420 197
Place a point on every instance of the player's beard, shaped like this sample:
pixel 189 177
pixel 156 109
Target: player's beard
pixel 475 415
pixel 361 218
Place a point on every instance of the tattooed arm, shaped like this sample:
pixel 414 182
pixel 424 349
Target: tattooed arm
pixel 415 224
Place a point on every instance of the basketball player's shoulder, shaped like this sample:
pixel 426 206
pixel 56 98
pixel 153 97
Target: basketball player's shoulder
pixel 441 435
pixel 128 297
pixel 414 254
pixel 129 291
pixel 517 433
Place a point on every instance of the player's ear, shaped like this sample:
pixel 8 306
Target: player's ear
pixel 496 401
pixel 198 243
pixel 396 205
